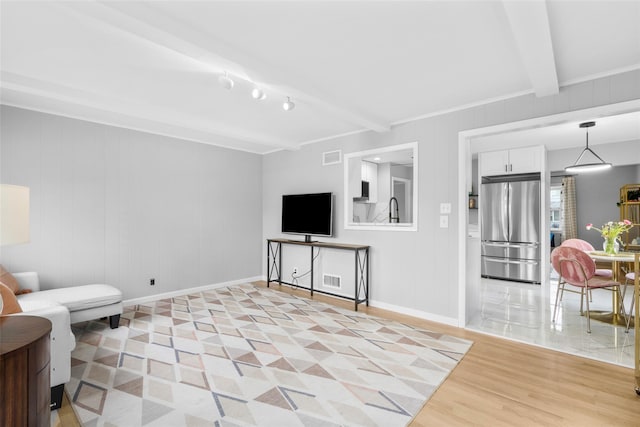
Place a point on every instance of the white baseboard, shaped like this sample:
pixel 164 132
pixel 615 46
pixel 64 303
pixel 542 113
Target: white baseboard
pixel 415 313
pixel 451 321
pixel 178 292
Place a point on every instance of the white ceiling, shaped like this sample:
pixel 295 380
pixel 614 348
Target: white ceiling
pixel 348 66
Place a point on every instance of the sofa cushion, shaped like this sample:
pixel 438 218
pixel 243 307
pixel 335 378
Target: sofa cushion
pixel 77 298
pixel 9 301
pixel 8 280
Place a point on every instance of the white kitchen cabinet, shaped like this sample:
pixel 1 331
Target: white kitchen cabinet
pixel 355 177
pixel 516 160
pixel 370 174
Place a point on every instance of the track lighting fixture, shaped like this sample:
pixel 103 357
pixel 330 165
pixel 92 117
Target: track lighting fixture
pixel 258 93
pixel 578 167
pixel 288 104
pixel 225 81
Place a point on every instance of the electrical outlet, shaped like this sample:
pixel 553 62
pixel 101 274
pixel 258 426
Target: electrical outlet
pixel 295 270
pixel 152 282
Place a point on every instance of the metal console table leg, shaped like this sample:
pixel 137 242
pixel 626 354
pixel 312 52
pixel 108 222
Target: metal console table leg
pixel 361 276
pixel 277 257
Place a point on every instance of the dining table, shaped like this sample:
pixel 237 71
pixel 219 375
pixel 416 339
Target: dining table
pixel 617 261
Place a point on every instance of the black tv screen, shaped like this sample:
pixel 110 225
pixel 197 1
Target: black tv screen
pixel 308 214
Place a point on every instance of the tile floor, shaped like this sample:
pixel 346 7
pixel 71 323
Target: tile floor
pixel 523 312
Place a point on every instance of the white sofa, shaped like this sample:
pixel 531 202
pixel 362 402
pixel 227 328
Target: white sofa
pixel 64 306
pixel 86 302
pixel 62 341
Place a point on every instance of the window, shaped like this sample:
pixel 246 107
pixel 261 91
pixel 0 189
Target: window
pixel 390 177
pixel 555 207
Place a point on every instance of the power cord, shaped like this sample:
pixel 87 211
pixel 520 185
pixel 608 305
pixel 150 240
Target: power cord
pixel 295 277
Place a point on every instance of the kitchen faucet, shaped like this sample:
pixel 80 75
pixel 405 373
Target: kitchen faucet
pixel 392 218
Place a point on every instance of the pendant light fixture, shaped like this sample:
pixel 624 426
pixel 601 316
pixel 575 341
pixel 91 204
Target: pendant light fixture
pixel 288 104
pixel 578 167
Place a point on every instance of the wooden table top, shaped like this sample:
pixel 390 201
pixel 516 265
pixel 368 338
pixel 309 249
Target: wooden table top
pixel 18 331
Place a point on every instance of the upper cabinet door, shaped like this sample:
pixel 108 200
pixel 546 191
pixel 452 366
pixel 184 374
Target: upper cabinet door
pixel 525 160
pixel 370 174
pixel 516 160
pixel 494 163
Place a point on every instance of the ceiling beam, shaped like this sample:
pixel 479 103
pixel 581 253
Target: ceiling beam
pixel 119 113
pixel 152 25
pixel 529 24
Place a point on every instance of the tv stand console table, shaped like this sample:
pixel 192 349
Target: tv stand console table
pixel 361 252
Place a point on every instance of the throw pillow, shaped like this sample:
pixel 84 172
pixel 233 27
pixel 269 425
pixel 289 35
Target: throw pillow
pixel 8 280
pixel 9 301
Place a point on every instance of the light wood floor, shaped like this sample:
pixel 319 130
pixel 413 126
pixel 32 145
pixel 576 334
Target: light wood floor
pixel 66 416
pixel 503 383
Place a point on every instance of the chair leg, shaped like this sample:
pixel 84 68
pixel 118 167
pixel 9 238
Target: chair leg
pixel 633 300
pixel 588 316
pixel 555 308
pixel 621 305
pixel 624 290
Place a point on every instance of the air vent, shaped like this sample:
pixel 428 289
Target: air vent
pixel 331 157
pixel 331 281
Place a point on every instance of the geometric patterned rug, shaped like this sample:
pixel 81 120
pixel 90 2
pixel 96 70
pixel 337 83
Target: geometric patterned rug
pixel 251 356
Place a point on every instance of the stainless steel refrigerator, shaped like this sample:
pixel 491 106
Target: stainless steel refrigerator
pixel 510 227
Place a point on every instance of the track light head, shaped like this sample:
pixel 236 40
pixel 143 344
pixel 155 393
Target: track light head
pixel 226 81
pixel 258 94
pixel 288 104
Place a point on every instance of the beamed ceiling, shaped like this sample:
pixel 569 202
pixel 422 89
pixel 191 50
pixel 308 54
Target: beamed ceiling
pixel 348 66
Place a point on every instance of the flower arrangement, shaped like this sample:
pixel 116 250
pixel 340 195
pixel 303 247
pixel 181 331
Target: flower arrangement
pixel 611 232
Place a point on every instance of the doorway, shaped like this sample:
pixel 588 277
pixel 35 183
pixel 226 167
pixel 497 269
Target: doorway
pixel 465 139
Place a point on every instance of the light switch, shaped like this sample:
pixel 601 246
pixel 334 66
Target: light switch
pixel 445 208
pixel 444 221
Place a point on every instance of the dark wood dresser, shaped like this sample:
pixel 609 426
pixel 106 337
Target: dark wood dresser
pixel 24 371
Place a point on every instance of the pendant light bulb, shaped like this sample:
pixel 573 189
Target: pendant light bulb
pixel 288 104
pixel 226 81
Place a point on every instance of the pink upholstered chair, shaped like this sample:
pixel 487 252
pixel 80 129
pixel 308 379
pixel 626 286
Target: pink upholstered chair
pixel 583 245
pixel 576 268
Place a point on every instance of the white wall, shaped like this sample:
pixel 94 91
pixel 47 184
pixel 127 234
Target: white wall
pixel 417 272
pixel 111 205
pixel 597 193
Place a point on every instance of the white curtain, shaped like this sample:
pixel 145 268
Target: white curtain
pixel 569 218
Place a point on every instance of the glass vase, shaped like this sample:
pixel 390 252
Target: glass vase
pixel 611 245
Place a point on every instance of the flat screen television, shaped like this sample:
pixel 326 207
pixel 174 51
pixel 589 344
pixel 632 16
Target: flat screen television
pixel 308 214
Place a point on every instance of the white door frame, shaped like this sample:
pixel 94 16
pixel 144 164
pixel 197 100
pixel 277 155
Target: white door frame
pixel 464 168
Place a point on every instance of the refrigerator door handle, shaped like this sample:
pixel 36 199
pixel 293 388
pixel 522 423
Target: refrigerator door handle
pixel 511 245
pixel 511 261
